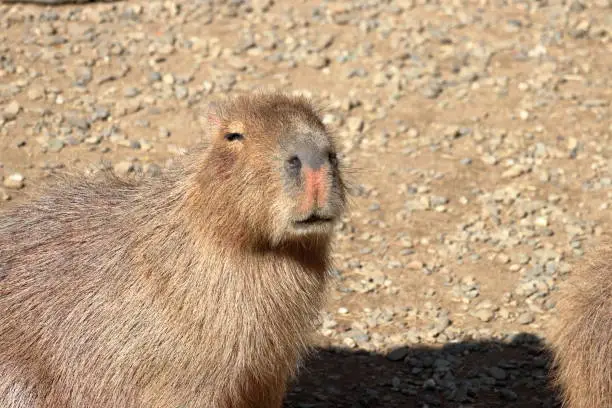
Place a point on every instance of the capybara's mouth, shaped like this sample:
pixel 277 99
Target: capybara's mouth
pixel 313 219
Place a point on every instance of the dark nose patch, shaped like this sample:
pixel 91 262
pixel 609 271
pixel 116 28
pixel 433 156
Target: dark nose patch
pixel 311 156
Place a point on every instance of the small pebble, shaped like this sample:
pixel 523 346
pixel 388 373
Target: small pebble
pixel 14 181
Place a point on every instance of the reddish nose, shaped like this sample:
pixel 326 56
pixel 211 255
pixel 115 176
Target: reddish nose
pixel 309 164
pixel 314 189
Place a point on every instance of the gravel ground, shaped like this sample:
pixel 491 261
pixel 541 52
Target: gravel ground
pixel 477 133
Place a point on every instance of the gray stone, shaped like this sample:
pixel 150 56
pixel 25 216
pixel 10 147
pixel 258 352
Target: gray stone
pixel 398 354
pixel 498 373
pixel 55 145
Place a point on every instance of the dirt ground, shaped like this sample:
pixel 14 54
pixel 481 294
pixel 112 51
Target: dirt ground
pixel 476 134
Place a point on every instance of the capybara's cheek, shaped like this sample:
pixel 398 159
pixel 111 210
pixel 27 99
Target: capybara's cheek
pixel 223 163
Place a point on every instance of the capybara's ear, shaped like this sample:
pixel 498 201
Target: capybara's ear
pixel 212 115
pixel 211 120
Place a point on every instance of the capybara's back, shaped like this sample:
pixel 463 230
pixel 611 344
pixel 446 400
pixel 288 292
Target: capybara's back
pixel 61 293
pixel 583 341
pixel 196 288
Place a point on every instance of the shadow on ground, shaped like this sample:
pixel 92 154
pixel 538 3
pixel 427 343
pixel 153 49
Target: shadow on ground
pixel 469 374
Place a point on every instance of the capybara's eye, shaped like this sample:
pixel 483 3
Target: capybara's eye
pixel 333 159
pixel 230 137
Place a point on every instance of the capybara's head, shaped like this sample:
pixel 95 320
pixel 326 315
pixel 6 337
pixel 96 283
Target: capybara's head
pixel 274 164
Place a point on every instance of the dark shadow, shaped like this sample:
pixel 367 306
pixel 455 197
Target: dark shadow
pixel 485 374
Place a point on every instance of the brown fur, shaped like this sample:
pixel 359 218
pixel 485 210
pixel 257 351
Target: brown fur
pixel 583 342
pixel 189 289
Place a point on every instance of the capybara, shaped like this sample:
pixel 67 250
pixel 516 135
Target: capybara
pixel 583 341
pixel 196 288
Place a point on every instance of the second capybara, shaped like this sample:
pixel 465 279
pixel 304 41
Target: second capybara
pixel 583 341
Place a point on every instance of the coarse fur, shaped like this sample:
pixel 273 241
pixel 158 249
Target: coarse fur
pixel 583 341
pixel 190 289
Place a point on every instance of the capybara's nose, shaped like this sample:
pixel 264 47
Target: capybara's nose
pixel 307 158
pixel 308 164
